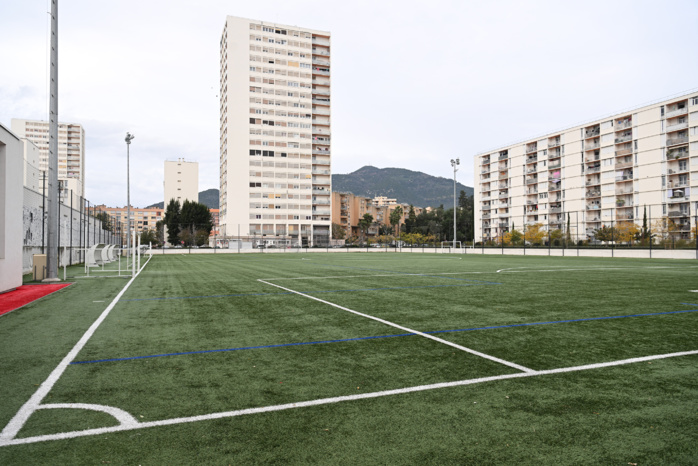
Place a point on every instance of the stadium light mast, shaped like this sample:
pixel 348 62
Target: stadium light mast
pixel 454 164
pixel 52 194
pixel 129 138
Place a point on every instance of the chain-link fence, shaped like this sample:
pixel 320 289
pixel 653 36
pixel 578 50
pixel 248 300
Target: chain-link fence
pixel 660 226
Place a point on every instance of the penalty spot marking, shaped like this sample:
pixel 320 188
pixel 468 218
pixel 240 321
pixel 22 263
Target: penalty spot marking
pixel 407 329
pixel 130 424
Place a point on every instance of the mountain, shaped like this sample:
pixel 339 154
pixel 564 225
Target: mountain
pixel 209 198
pixel 407 186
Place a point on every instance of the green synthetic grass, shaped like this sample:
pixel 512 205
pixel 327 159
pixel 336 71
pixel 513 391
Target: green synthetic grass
pixel 641 413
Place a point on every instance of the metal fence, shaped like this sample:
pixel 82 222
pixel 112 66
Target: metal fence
pixel 81 225
pixel 662 226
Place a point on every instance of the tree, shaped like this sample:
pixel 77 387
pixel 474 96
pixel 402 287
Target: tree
pixel 627 231
pixel 534 234
pixel 555 236
pixel 568 233
pixel 171 220
pixel 364 224
pixel 160 232
pixel 411 221
pixel 606 234
pixel 395 217
pixel 338 232
pixel 195 218
pixel 149 237
pixel 106 221
pixel 513 237
pixel 646 233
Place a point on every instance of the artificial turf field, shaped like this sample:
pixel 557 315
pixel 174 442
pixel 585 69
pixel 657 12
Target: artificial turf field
pixel 379 358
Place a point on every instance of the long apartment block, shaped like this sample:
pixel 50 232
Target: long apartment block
pixel 597 174
pixel 275 175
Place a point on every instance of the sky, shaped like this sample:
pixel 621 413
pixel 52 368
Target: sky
pixel 414 84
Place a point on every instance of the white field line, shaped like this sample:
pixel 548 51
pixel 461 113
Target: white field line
pixel 407 329
pixel 19 419
pixel 529 269
pixel 326 401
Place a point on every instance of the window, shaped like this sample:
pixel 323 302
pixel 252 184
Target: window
pixel 694 100
pixel 694 131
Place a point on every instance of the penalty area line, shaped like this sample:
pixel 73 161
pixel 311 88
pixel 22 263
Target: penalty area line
pixel 338 399
pixel 407 329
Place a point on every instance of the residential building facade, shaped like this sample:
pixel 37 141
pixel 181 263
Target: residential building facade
pixel 181 181
pixel 71 152
pixel 141 219
pixel 275 175
pixel 348 209
pixel 596 174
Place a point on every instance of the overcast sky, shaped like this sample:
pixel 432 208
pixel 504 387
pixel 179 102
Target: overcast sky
pixel 414 84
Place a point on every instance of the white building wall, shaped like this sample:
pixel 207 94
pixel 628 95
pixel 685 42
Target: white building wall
pixel 181 181
pixel 604 176
pixel 11 194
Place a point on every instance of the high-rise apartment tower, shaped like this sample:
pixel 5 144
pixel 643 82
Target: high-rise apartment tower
pixel 275 178
pixel 71 151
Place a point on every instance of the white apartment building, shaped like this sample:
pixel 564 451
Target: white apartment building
pixel 275 176
pixel 181 181
pixel 596 174
pixel 71 151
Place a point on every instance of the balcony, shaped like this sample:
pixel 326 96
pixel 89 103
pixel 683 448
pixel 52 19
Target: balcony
pixel 676 140
pixel 321 160
pixel 321 202
pixel 321 71
pixel 677 126
pixel 553 187
pixel 622 152
pixel 531 180
pixel 592 146
pixel 532 159
pixel 677 184
pixel 628 177
pixel 531 148
pixel 486 207
pixel 677 153
pixel 593 193
pixel 679 198
pixel 591 133
pixel 624 165
pixel 624 138
pixel 321 212
pixel 593 169
pixel 503 175
pixel 320 151
pixel 321 191
pixel 316 171
pixel 623 124
pixel 676 111
pixel 553 142
pixel 503 185
pixel 554 165
pixel 485 170
pixel 486 215
pixel 321 102
pixel 532 191
pixel 317 61
pixel 503 156
pixel 678 213
pixel 593 207
pixel 555 210
pixel 503 195
pixel 321 111
pixel 676 171
pixel 320 91
pixel 592 158
pixel 531 170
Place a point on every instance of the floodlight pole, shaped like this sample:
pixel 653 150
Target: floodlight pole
pixel 454 164
pixel 53 216
pixel 129 138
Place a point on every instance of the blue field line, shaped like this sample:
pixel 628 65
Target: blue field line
pixel 408 274
pixel 309 292
pixel 382 336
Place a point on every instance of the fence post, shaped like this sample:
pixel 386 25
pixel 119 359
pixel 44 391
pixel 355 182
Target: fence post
pixel 71 227
pixel 43 214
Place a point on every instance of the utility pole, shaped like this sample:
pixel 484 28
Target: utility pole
pixel 52 241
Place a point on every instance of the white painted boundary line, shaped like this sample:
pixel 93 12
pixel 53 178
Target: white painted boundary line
pixel 34 403
pixel 407 329
pixel 338 399
pixel 528 269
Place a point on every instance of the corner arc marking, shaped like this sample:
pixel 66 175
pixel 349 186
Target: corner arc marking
pixel 124 418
